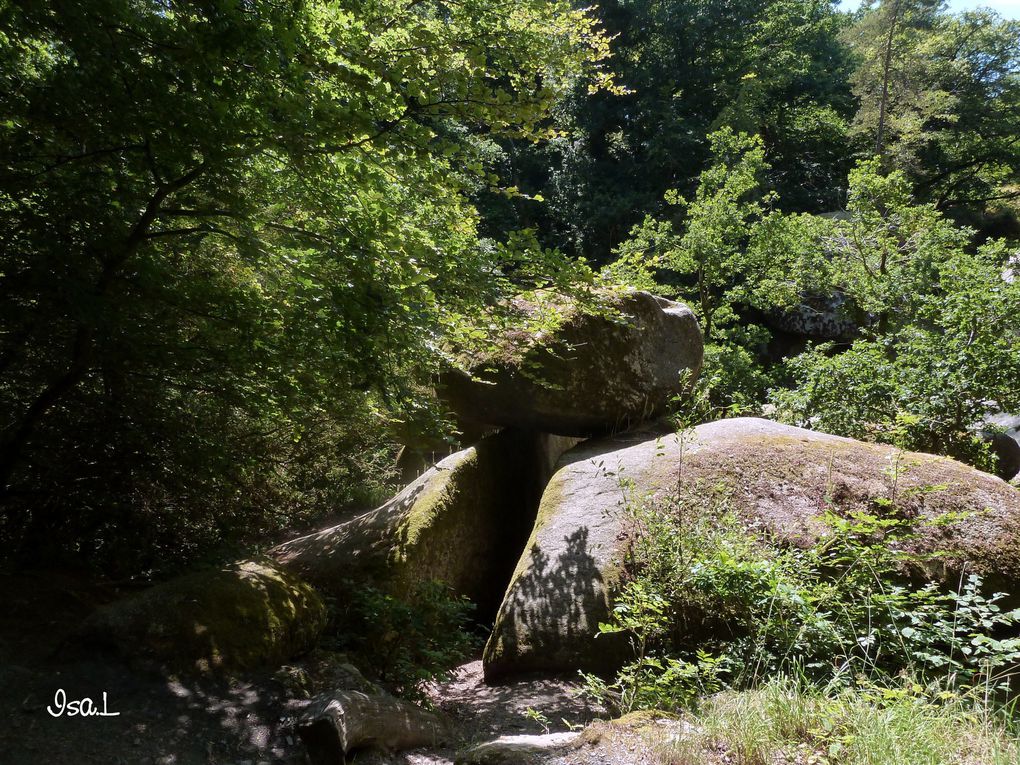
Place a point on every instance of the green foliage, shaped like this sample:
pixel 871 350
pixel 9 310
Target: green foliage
pixel 709 603
pixel 233 236
pixel 690 68
pixel 896 723
pixel 942 328
pixel 403 642
pixel 939 96
pixel 711 249
pixel 712 268
pixel 651 681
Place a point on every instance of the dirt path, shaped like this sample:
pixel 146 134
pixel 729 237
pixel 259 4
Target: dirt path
pixel 482 713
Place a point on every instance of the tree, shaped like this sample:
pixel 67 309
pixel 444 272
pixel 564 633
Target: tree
pixel 711 267
pixel 691 67
pixel 232 230
pixel 718 220
pixel 940 98
pixel 940 347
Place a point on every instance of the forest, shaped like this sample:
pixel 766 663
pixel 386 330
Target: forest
pixel 267 264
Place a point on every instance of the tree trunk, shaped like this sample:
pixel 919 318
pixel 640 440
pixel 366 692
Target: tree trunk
pixel 883 104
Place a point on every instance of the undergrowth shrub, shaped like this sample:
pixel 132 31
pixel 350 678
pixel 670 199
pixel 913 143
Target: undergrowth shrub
pixel 710 604
pixel 403 643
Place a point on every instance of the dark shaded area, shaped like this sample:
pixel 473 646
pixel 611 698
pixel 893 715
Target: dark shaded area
pixel 690 67
pixel 185 721
pixel 463 523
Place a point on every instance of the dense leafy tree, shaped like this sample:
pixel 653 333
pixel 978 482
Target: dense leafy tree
pixel 776 69
pixel 940 98
pixel 230 233
pixel 939 348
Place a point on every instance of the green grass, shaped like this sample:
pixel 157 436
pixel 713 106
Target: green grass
pixel 780 723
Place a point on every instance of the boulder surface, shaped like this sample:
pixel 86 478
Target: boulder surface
pixel 462 522
pixel 240 616
pixel 779 480
pixel 593 375
pixel 1005 443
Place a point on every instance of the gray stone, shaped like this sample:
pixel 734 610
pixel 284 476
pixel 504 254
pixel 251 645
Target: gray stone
pixel 593 375
pixel 777 479
pixel 515 750
pixel 337 723
pixel 1004 439
pixel 818 318
pixel 462 522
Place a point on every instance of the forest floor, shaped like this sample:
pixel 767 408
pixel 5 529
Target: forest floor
pixel 224 721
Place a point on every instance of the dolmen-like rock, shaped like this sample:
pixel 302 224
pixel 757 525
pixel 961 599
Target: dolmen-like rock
pixel 594 374
pixel 779 481
pixel 244 615
pixel 462 522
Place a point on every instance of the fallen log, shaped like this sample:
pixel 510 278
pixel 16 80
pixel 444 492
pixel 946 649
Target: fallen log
pixel 337 723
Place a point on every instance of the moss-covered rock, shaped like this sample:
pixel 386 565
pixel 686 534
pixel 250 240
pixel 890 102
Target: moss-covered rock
pixel 462 522
pixel 592 375
pixel 244 615
pixel 779 480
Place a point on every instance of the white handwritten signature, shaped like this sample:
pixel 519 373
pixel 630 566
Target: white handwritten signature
pixel 78 708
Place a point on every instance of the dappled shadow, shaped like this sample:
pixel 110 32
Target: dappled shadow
pixel 355 545
pixel 488 710
pixel 178 721
pixel 551 615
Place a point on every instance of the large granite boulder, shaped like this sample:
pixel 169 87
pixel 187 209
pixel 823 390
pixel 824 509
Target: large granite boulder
pixel 1004 440
pixel 240 616
pixel 778 479
pixel 595 374
pixel 462 522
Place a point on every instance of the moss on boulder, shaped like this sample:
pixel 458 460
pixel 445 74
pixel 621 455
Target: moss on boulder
pixel 462 522
pixel 593 374
pixel 779 480
pixel 244 615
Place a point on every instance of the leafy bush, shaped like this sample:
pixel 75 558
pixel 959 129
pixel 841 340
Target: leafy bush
pixel 404 643
pixel 709 602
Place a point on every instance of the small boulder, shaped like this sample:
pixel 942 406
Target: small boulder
pixel 594 374
pixel 1007 453
pixel 778 479
pixel 821 318
pixel 462 522
pixel 244 615
pixel 1004 435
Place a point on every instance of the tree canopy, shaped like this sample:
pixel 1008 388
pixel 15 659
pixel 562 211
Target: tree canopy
pixel 230 228
pixel 239 238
